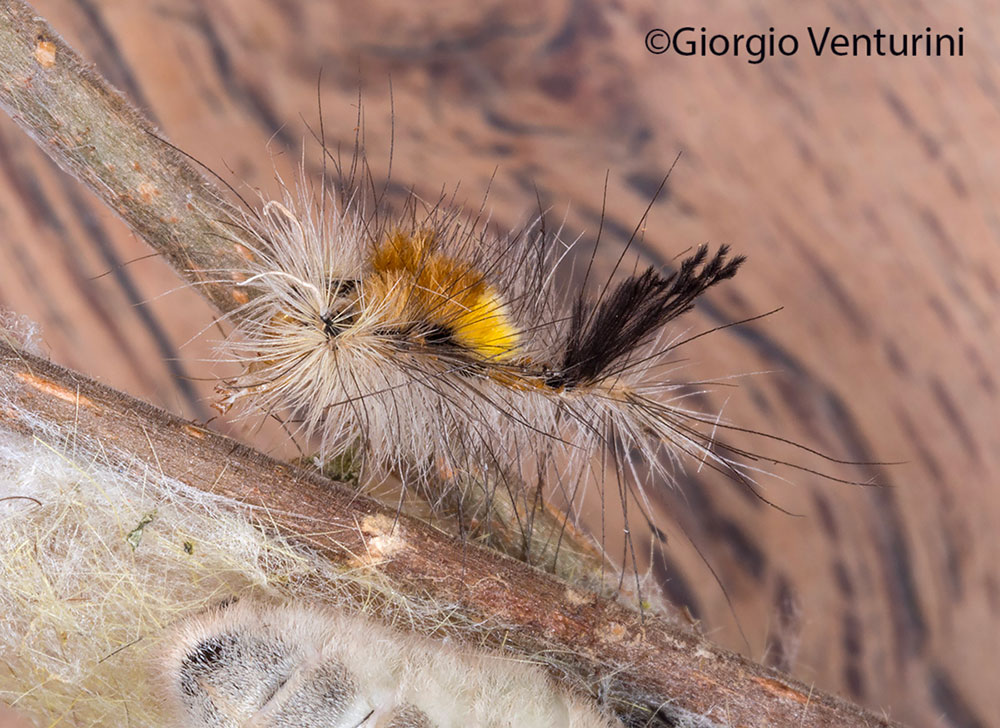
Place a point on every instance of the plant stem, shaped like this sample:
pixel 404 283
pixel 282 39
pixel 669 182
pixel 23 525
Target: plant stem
pixel 90 130
pixel 648 668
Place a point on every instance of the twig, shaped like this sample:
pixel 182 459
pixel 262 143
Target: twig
pixel 95 134
pixel 652 671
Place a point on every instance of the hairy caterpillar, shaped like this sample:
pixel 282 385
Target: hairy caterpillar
pixel 426 346
pixel 247 663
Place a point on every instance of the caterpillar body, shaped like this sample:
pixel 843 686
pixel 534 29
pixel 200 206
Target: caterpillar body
pixel 425 346
pixel 252 664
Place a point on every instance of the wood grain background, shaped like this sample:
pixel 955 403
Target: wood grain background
pixel 862 190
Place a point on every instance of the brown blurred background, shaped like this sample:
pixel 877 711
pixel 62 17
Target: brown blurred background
pixel 862 190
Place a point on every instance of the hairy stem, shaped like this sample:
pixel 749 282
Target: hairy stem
pixel 652 672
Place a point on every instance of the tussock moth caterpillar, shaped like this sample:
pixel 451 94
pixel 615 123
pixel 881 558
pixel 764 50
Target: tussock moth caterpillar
pixel 422 344
pixel 247 663
pixel 436 347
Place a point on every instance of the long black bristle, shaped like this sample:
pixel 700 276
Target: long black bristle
pixel 603 333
